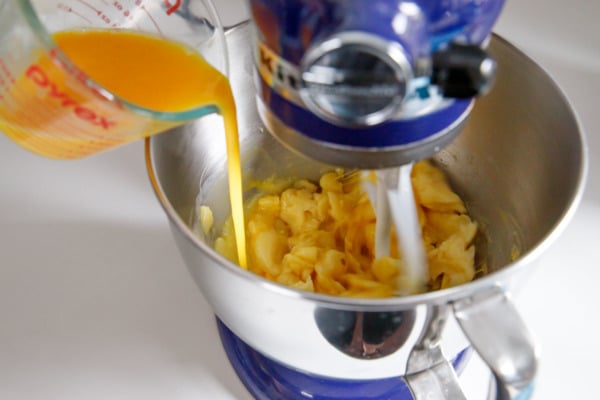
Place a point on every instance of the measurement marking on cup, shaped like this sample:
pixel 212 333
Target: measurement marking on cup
pixel 118 5
pixel 68 9
pixel 98 12
pixel 124 10
pixel 149 16
pixel 4 69
pixel 3 83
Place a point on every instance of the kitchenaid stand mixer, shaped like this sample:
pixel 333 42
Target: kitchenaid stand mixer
pixel 378 85
pixel 373 85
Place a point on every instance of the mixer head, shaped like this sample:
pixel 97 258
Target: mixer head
pixel 371 84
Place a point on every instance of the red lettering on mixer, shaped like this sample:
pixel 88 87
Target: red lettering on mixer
pixel 41 79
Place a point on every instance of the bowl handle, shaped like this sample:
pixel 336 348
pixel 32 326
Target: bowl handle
pixel 429 375
pixel 502 340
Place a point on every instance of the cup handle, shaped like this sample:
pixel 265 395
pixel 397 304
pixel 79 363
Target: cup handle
pixel 501 338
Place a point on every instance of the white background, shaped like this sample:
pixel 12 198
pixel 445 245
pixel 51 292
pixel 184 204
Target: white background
pixel 95 302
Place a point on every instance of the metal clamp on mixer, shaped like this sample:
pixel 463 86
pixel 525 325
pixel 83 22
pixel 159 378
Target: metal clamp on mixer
pixel 371 84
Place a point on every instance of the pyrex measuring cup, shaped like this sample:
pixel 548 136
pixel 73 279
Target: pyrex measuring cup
pixel 50 106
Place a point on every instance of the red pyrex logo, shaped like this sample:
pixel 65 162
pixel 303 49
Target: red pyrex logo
pixel 171 8
pixel 41 79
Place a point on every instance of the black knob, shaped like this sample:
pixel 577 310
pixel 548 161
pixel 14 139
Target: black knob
pixel 462 71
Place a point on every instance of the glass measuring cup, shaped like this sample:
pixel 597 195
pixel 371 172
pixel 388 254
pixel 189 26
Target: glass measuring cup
pixel 52 107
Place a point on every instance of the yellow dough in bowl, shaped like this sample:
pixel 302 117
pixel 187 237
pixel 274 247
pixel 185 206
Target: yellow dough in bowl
pixel 320 236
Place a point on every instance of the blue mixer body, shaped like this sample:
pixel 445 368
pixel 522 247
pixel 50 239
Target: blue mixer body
pixel 267 379
pixel 289 27
pixel 419 116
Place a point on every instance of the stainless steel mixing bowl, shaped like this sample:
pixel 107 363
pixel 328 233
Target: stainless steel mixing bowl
pixel 520 166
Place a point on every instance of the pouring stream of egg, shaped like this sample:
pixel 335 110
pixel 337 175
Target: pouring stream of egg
pixel 132 66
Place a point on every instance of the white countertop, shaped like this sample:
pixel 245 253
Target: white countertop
pixel 95 302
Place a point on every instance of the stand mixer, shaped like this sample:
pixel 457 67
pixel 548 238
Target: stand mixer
pixel 371 85
pixel 377 85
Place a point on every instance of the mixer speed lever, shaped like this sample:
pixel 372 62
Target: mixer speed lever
pixel 463 71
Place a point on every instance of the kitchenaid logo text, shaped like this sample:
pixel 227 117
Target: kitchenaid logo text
pixel 278 73
pixel 38 76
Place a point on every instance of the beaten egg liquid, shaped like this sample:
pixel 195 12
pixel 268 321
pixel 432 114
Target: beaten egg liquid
pixel 46 114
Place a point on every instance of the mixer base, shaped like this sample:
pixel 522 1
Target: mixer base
pixel 266 379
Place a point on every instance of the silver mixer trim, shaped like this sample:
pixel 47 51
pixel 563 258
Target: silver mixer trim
pixel 291 83
pixel 324 83
pixel 488 69
pixel 361 158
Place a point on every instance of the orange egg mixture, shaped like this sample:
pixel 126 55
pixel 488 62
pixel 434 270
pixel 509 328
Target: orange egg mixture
pixel 145 70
